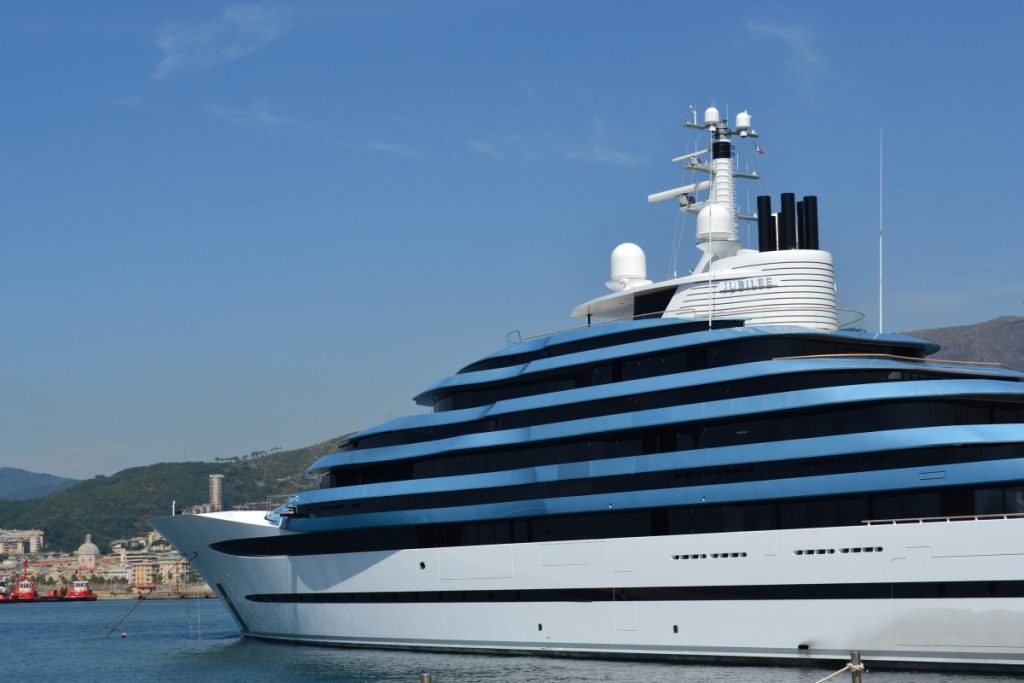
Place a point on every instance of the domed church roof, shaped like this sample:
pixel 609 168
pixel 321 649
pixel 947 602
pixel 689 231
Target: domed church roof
pixel 88 548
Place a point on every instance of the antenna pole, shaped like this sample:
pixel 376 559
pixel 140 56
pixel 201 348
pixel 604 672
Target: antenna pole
pixel 711 287
pixel 711 239
pixel 881 319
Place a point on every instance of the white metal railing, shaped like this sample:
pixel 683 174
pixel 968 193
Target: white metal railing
pixel 948 518
pixel 276 501
pixel 515 337
pixel 889 356
pixel 858 316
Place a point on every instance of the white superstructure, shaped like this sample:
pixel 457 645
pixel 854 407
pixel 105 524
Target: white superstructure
pixel 788 282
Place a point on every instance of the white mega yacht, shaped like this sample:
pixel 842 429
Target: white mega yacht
pixel 708 468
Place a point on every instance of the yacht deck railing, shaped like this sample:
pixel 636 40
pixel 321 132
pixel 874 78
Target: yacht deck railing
pixel 889 356
pixel 948 518
pixel 516 337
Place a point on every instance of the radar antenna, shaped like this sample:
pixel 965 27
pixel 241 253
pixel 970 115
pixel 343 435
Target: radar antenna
pixel 716 214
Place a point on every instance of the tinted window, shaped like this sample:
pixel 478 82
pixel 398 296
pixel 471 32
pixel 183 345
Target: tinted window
pixel 823 421
pixel 617 524
pixel 714 354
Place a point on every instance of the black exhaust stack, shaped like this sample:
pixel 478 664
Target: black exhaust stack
pixel 787 220
pixel 801 226
pixel 811 221
pixel 766 240
pixel 795 226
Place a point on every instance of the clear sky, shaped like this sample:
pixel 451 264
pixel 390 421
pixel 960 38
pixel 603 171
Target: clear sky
pixel 230 227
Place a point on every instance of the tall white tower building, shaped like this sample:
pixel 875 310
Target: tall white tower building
pixel 216 492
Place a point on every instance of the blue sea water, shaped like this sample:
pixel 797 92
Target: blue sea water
pixel 195 641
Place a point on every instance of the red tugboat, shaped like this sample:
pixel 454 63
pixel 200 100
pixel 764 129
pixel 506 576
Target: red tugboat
pixel 80 591
pixel 26 590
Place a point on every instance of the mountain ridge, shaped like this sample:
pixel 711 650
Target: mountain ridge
pixel 19 484
pixel 1000 340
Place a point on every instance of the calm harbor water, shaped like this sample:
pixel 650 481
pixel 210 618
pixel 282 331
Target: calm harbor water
pixel 194 641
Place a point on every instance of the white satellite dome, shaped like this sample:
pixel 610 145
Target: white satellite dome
pixel 711 116
pixel 743 121
pixel 629 267
pixel 715 222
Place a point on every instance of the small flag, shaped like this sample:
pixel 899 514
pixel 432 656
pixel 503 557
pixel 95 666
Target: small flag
pixel 758 149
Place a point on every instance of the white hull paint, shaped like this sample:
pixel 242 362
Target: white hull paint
pixel 974 633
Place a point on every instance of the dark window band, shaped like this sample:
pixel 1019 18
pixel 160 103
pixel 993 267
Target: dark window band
pixel 646 481
pixel 826 591
pixel 713 354
pixel 599 342
pixel 802 513
pixel 753 386
pixel 805 423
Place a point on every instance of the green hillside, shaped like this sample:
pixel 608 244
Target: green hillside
pixel 119 505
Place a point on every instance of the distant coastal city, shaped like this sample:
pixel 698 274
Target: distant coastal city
pixel 144 565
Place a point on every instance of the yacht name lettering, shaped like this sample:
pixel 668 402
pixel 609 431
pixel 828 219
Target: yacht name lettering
pixel 750 283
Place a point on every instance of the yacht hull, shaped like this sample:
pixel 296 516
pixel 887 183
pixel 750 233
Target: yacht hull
pixel 925 595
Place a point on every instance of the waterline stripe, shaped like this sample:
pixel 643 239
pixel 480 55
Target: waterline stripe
pixel 822 591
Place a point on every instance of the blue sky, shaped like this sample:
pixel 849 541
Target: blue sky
pixel 232 227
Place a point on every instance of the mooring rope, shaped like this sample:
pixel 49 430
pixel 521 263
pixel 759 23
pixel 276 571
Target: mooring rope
pixel 850 666
pixel 112 625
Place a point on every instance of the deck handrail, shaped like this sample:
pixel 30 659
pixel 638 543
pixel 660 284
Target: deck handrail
pixel 733 313
pixel 946 518
pixel 889 356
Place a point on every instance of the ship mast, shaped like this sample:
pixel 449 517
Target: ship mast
pixel 716 216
